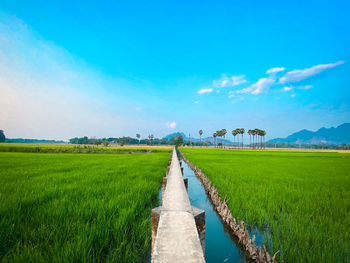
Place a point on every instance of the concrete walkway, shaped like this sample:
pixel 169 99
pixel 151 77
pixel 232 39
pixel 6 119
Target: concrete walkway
pixel 178 229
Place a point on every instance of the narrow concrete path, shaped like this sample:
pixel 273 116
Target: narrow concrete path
pixel 177 238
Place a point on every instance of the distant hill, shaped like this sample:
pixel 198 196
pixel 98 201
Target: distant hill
pixel 21 140
pixel 338 135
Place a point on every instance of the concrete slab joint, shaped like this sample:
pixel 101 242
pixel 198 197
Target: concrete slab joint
pixel 178 229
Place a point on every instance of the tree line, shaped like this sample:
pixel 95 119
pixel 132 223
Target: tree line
pixel 150 140
pixel 258 142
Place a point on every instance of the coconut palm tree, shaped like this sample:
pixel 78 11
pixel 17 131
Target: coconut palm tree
pixel 258 133
pixel 256 130
pixel 250 138
pixel 200 137
pixel 214 136
pixel 138 136
pixel 242 131
pixel 218 134
pixel 238 131
pixel 223 132
pixel 253 134
pixel 234 136
pixel 263 133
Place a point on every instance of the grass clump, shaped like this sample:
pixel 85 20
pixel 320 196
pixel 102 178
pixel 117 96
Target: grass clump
pixel 303 198
pixel 77 207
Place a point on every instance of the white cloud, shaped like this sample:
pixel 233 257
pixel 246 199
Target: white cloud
pixel 301 74
pixel 292 96
pixel 275 70
pixel 287 88
pixel 262 85
pixel 232 81
pixel 306 87
pixel 202 91
pixel 231 96
pixel 196 102
pixel 171 125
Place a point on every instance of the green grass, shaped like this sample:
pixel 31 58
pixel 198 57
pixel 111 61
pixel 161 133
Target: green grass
pixel 302 197
pixel 74 148
pixel 77 207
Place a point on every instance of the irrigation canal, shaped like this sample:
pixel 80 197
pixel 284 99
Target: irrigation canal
pixel 220 244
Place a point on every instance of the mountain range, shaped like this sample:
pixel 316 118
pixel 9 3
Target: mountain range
pixel 338 135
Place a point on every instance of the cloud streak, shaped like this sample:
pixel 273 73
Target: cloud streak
pixel 301 74
pixel 202 91
pixel 262 85
pixel 275 70
pixel 229 82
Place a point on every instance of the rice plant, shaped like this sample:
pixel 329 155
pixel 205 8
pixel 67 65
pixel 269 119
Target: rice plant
pixel 77 207
pixel 302 198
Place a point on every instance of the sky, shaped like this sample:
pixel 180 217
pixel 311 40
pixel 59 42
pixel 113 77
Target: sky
pixel 119 68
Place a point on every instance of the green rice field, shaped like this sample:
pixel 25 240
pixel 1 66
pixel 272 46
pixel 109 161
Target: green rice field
pixel 76 148
pixel 302 199
pixel 78 207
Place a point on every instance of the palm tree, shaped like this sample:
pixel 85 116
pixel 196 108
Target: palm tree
pixel 214 136
pixel 241 131
pixel 250 137
pixel 200 137
pixel 138 136
pixel 235 133
pixel 253 133
pixel 223 132
pixel 256 130
pixel 263 134
pixel 234 136
pixel 219 134
pixel 259 133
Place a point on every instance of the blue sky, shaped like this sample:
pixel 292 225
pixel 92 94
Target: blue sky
pixel 127 67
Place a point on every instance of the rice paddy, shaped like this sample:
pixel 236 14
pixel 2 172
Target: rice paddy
pixel 301 198
pixel 75 207
pixel 76 148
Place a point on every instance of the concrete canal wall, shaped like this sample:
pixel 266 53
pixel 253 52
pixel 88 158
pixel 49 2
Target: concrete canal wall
pixel 178 229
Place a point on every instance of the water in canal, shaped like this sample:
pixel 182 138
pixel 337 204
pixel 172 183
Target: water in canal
pixel 219 244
